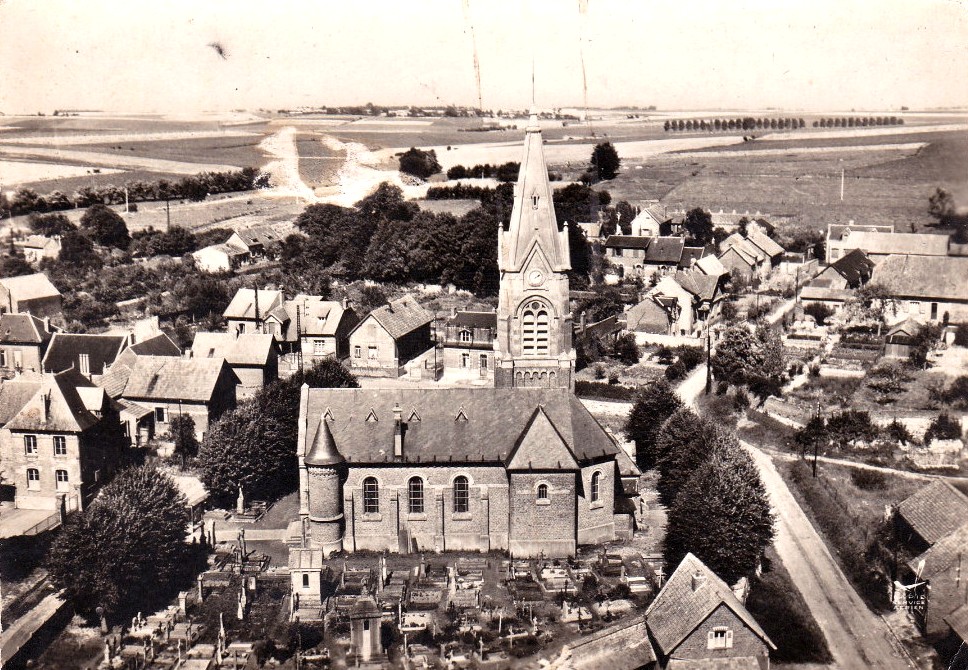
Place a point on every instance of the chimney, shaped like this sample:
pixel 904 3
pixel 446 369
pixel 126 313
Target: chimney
pixel 397 431
pixel 47 323
pixel 390 307
pixel 346 303
pixel 698 580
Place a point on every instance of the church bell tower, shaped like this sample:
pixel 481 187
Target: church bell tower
pixel 534 323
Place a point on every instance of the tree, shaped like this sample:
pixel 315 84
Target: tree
pixel 653 405
pixel 923 341
pixel 684 443
pixel 738 356
pixel 625 349
pixel 181 431
pixel 871 302
pixel 77 251
pixel 699 224
pixel 943 427
pixel 14 265
pixel 722 515
pixel 50 224
pixel 819 311
pixel 105 227
pixel 127 549
pixel 419 163
pixel 605 160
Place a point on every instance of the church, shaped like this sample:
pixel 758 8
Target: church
pixel 522 467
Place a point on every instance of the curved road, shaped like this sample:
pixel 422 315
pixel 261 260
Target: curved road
pixel 857 637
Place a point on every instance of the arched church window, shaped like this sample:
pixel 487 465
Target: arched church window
pixel 535 330
pixel 415 495
pixel 462 495
pixel 542 492
pixel 371 496
pixel 596 486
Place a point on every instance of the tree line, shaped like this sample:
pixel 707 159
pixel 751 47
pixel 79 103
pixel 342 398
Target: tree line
pixel 858 122
pixel 746 123
pixel 193 187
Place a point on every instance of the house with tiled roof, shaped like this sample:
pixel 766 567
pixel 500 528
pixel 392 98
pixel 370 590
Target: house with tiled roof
pixel 203 388
pixel 696 621
pixel 878 244
pixel 23 343
pixel 247 311
pixel 33 294
pixel 260 241
pixel 35 248
pixel 752 257
pixel 680 304
pixel 930 514
pixel 217 258
pixel 623 645
pixel 523 470
pixel 928 288
pixel 389 337
pixel 313 327
pixel 954 649
pixel 645 256
pixel 89 354
pixel 60 439
pixel 253 357
pixel 937 575
pixel 468 344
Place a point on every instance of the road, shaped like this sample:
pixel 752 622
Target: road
pixel 856 637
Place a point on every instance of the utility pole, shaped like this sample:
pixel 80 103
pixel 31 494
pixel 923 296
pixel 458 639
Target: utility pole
pixel 167 216
pixel 709 369
pixel 816 442
pixel 841 184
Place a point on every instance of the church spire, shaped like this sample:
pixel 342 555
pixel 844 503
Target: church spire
pixel 533 221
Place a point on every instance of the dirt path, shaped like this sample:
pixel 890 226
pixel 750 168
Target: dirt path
pixel 284 167
pixel 856 637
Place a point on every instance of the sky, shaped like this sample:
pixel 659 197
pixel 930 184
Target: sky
pixel 140 56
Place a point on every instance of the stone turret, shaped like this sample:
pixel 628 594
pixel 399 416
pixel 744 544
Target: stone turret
pixel 326 471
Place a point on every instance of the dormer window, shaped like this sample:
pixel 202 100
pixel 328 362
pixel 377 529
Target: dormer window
pixel 466 336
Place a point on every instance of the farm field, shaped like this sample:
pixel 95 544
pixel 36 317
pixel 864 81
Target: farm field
pixel 239 150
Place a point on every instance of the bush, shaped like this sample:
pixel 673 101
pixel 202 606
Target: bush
pixel 585 389
pixel 625 349
pixel 676 371
pixel 944 427
pixel 600 371
pixel 422 164
pixel 868 480
pixel 961 335
pixel 819 312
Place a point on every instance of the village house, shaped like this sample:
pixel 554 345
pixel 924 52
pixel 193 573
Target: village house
pixel 836 282
pixel 247 311
pixel 311 328
pixel 389 337
pixel 623 645
pixel 649 222
pixel 753 256
pixel 940 569
pixel 879 243
pixel 23 342
pixel 89 354
pixel 836 232
pixel 263 241
pixel 31 294
pixel 927 288
pixel 710 265
pixel 253 357
pixel 680 304
pixel 217 258
pixel 167 386
pixel 468 344
pixel 696 621
pixel 645 256
pixel 35 248
pixel 60 439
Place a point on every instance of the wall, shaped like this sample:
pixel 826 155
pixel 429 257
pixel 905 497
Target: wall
pixel 198 411
pixel 16 462
pixel 26 356
pixel 922 310
pixel 542 529
pixel 596 520
pixel 452 361
pixel 370 333
pixel 439 528
pixel 947 595
pixel 745 642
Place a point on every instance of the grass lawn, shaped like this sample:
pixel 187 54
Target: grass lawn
pixel 777 605
pixel 851 520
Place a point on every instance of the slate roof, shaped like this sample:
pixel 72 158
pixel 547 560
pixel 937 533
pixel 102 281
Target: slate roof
pixel 316 316
pixel 30 287
pixel 495 420
pixel 246 349
pixel 628 242
pixel 691 255
pixel 935 511
pixel 620 646
pixel 924 277
pixel 958 620
pixel 63 403
pixel 168 378
pixel 944 553
pixel 665 250
pixel 700 285
pixel 731 663
pixel 647 317
pixel 305 559
pixel 855 267
pixel 157 345
pixel 711 266
pixel 836 230
pixel 243 304
pixel 14 394
pixel 401 317
pixel 65 350
pixel 768 245
pixel 114 381
pixel 679 608
pixel 918 244
pixel 22 329
pixel 468 319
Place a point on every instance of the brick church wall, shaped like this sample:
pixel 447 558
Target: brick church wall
pixel 539 529
pixel 596 520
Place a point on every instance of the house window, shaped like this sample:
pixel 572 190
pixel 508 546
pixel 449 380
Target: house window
pixel 934 311
pixel 30 445
pixel 271 328
pixel 596 485
pixel 319 347
pixel 305 580
pixel 534 330
pixel 160 414
pixel 357 352
pixel 462 495
pixel 542 492
pixel 415 495
pixel 371 496
pixel 3 358
pixel 466 336
pixel 465 360
pixel 483 361
pixel 33 479
pixel 372 352
pixel 617 253
pixel 719 638
pixel 63 480
pixel 240 329
pixel 60 445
